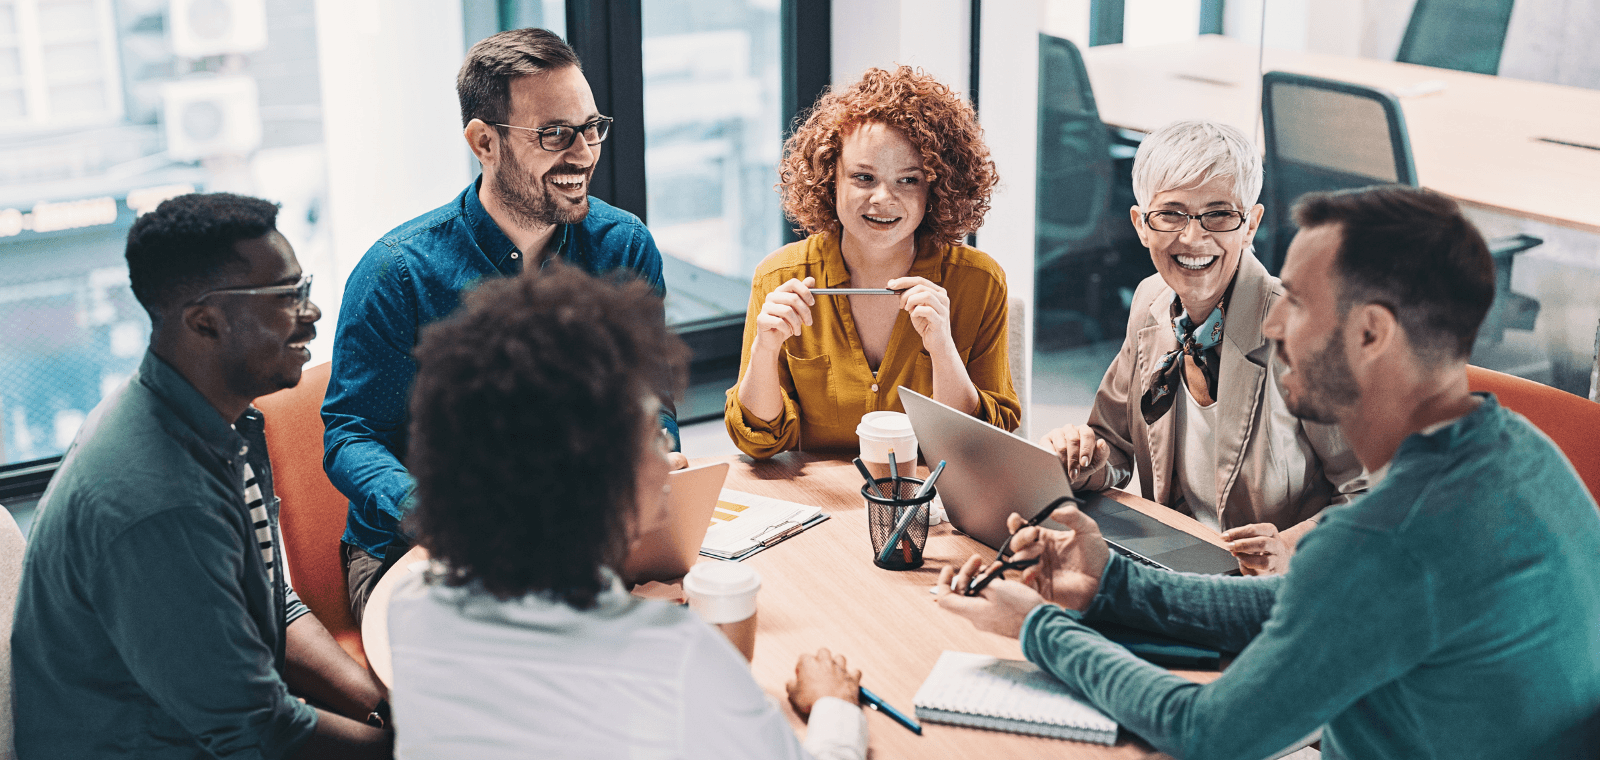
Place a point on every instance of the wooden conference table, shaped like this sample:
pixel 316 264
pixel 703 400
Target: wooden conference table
pixel 820 589
pixel 1477 139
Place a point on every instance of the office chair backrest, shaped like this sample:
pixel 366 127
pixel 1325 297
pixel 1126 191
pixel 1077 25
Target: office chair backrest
pixel 1017 357
pixel 312 512
pixel 1465 35
pixel 1323 134
pixel 11 547
pixel 1570 421
pixel 1074 150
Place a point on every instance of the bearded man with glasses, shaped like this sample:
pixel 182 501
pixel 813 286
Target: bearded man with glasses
pixel 1193 399
pixel 531 121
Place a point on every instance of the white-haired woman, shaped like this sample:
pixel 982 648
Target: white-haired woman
pixel 1192 399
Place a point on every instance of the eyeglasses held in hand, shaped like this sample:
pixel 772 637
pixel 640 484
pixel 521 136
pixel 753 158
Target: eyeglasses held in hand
pixel 1210 221
pixel 975 585
pixel 560 137
pixel 301 292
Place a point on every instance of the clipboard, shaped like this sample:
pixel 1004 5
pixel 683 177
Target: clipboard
pixel 745 523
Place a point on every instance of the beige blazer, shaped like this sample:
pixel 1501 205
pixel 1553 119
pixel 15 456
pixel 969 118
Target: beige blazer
pixel 1271 467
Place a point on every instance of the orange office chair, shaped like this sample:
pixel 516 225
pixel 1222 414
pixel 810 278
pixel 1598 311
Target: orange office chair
pixel 1570 421
pixel 312 511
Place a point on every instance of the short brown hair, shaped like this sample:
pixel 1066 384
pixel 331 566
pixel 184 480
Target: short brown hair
pixel 527 426
pixel 938 122
pixel 1410 250
pixel 484 83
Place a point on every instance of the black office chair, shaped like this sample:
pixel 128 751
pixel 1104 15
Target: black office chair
pixel 1074 150
pixel 1323 134
pixel 1465 35
pixel 1088 255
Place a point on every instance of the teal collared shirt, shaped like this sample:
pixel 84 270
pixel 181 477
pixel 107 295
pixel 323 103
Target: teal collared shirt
pixel 1452 612
pixel 146 625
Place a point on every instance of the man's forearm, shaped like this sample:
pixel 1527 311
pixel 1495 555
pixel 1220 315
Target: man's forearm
pixel 1221 612
pixel 339 738
pixel 320 670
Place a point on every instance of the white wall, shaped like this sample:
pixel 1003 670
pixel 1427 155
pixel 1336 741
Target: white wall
pixel 391 123
pixel 1008 102
pixel 931 34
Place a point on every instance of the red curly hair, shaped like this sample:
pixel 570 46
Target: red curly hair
pixel 942 127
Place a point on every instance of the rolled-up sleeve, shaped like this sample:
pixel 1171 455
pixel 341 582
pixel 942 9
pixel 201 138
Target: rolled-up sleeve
pixel 988 362
pixel 754 436
pixel 208 667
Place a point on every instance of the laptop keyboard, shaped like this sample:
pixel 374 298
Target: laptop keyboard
pixel 1135 557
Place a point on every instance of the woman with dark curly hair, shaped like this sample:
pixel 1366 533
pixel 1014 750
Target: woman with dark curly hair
pixel 887 176
pixel 539 458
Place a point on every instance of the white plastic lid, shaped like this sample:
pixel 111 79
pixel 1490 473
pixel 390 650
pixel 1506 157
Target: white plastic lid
pixel 722 579
pixel 885 425
pixel 722 592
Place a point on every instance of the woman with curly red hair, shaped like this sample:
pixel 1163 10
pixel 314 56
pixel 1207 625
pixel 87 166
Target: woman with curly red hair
pixel 887 176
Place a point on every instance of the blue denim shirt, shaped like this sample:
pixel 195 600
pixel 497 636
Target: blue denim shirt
pixel 412 277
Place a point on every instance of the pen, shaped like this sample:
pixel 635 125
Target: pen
pixel 911 514
pixel 894 474
pixel 876 702
pixel 927 485
pixel 855 292
pixel 871 481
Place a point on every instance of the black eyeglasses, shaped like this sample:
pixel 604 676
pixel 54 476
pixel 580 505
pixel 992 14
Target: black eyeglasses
pixel 1210 221
pixel 560 137
pixel 301 291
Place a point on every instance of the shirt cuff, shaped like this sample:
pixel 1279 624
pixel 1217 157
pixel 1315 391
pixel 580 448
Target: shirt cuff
pixel 837 730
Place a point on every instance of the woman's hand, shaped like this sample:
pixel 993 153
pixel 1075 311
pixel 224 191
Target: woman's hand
pixel 929 307
pixel 786 310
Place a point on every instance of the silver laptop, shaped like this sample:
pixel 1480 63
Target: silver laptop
pixel 668 552
pixel 992 473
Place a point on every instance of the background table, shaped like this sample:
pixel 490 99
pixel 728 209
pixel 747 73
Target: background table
pixel 1476 140
pixel 820 589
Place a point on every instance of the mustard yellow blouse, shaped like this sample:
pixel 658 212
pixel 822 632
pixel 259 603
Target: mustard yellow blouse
pixel 827 383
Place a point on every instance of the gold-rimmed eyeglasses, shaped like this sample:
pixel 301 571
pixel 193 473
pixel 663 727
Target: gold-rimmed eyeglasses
pixel 1210 221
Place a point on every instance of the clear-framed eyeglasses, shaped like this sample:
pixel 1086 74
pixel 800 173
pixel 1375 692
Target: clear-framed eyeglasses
pixel 560 137
pixel 298 293
pixel 1210 221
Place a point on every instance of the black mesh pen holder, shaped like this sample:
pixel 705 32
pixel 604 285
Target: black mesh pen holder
pixel 890 511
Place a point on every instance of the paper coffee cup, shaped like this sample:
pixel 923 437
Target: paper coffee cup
pixel 881 431
pixel 722 592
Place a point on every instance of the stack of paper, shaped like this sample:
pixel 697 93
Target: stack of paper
pixel 745 523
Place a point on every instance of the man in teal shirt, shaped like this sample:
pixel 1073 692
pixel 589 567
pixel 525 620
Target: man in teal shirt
pixel 155 618
pixel 1454 612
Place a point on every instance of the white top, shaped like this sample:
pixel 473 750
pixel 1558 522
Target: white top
pixel 630 678
pixel 1194 428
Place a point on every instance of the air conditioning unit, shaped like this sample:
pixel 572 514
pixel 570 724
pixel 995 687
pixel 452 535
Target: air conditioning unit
pixel 216 27
pixel 211 116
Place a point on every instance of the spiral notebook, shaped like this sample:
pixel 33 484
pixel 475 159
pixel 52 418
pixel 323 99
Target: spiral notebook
pixel 1007 695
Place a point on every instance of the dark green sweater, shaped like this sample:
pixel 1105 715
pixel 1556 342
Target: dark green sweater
pixel 1454 612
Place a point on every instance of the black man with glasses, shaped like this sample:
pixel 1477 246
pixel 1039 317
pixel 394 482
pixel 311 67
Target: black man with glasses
pixel 154 617
pixel 1192 400
pixel 531 121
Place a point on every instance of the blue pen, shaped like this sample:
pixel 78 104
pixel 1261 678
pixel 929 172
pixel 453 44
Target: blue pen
pixel 876 702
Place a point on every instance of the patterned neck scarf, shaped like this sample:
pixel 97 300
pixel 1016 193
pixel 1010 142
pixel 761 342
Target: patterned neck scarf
pixel 1200 343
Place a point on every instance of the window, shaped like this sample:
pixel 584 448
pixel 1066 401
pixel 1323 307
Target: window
pixel 108 107
pixel 712 142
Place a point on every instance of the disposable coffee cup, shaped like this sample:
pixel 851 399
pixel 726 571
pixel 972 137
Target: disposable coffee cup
pixel 881 432
pixel 724 595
